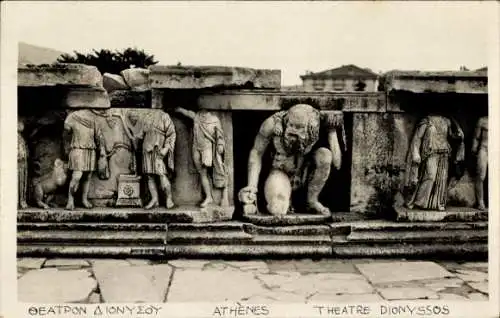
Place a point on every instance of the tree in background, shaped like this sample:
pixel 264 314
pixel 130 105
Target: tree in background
pixel 108 61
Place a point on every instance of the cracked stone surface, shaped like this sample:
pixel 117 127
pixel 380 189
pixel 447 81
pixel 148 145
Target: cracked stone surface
pixel 405 293
pixel 402 271
pixel 109 262
pixel 249 265
pixel 50 285
pixel 472 276
pixel 61 262
pixel 477 296
pixel 138 262
pixel 217 286
pixel 480 286
pixel 328 283
pixel 30 262
pixel 446 296
pixel 347 298
pixel 133 283
pixel 188 264
pixel 442 284
pixel 271 281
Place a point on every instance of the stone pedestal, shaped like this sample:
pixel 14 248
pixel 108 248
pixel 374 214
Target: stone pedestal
pixel 129 191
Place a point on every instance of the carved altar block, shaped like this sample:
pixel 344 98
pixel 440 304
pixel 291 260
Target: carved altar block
pixel 129 191
pixel 450 214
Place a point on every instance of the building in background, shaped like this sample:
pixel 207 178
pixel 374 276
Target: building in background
pixel 347 78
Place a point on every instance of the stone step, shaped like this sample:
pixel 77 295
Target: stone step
pixel 288 230
pixel 204 227
pixel 456 236
pixel 92 226
pixel 287 220
pixel 414 226
pixel 241 251
pixel 99 237
pixel 225 237
pixel 315 240
pixel 439 251
pixel 52 250
pixel 111 215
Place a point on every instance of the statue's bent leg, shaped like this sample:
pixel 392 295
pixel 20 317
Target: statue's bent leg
pixel 323 162
pixel 85 190
pixel 153 191
pixel 482 168
pixel 278 191
pixel 167 189
pixel 205 181
pixel 73 187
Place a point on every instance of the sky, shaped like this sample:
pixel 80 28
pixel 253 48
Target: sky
pixel 291 36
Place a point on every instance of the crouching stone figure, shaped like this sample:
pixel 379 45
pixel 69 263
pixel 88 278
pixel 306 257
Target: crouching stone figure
pixel 301 158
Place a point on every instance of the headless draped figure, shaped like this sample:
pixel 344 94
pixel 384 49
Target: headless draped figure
pixel 480 149
pixel 208 153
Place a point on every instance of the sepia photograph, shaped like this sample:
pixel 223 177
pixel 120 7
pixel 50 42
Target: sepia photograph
pixel 247 155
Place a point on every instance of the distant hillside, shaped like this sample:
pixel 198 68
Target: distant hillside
pixel 32 54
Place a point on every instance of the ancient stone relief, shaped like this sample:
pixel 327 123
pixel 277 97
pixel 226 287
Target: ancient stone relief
pixel 430 154
pixel 208 149
pixel 301 159
pixel 102 153
pixel 480 150
pixel 156 131
pixel 85 148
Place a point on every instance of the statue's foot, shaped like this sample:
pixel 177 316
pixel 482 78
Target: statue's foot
pixel 86 204
pixel 169 203
pixel 319 208
pixel 481 206
pixel 70 206
pixel 441 208
pixel 206 202
pixel 409 206
pixel 23 205
pixel 152 204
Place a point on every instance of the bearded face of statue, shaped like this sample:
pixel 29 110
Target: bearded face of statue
pixel 295 136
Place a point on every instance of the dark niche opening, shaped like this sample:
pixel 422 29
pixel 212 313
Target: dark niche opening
pixel 246 124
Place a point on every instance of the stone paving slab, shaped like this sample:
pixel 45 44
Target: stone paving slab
pixel 407 293
pixel 379 272
pixel 133 283
pixel 30 262
pixel 256 281
pixel 213 286
pixel 472 276
pixel 345 298
pixel 50 285
pixel 62 262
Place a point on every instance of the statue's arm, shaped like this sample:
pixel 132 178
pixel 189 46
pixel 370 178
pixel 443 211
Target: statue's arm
pixel 417 142
pixel 333 142
pixel 185 112
pixel 67 138
pixel 260 144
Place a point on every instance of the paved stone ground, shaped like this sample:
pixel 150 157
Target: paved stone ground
pixel 138 280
